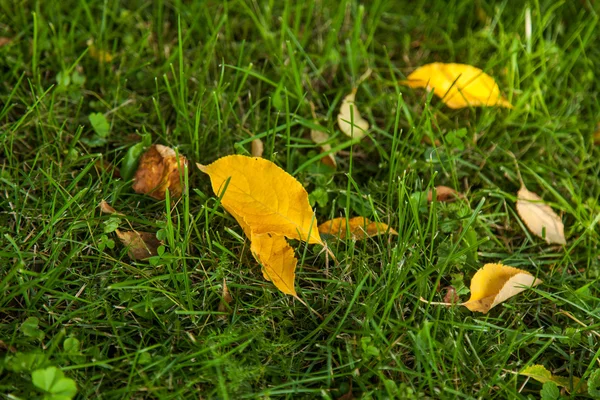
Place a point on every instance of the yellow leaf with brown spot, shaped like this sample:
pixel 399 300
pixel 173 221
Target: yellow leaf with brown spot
pixel 267 198
pixel 358 227
pixel 458 85
pixel 277 259
pixel 160 169
pixel 349 119
pixel 539 218
pixel 495 283
pixel 140 245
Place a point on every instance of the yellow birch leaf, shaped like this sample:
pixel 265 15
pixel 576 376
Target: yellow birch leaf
pixel 320 137
pixel 268 199
pixel 360 228
pixel 495 283
pixel 458 85
pixel 277 259
pixel 539 217
pixel 349 113
pixel 258 148
pixel 159 170
pixel 140 245
pixel 542 375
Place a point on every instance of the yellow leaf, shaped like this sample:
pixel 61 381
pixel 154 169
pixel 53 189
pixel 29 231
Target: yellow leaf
pixel 349 113
pixel 267 198
pixel 539 217
pixel 277 259
pixel 495 283
pixel 359 227
pixel 541 374
pixel 140 245
pixel 258 148
pixel 458 85
pixel 320 137
pixel 159 169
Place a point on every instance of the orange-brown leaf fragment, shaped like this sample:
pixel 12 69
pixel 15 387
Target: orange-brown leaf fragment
pixel 458 85
pixel 4 41
pixel 358 227
pixel 160 169
pixel 443 193
pixel 140 245
pixel 540 219
pixel 107 208
pixel 495 283
pixel 226 299
pixel 277 259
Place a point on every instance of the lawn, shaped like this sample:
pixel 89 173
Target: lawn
pixel 206 78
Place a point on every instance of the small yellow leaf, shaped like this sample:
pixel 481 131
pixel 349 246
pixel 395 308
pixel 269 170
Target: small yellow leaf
pixel 541 374
pixel 100 55
pixel 141 245
pixel 349 113
pixel 458 85
pixel 159 169
pixel 495 283
pixel 264 196
pixel 277 259
pixel 320 137
pixel 539 217
pixel 359 227
pixel 258 148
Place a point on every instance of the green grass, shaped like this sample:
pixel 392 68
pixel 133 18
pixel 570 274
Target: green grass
pixel 207 78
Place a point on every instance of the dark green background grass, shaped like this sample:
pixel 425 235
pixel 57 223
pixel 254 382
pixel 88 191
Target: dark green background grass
pixel 207 78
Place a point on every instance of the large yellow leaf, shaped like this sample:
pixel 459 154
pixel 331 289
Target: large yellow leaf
pixel 539 217
pixel 267 198
pixel 495 283
pixel 349 119
pixel 359 227
pixel 458 85
pixel 541 374
pixel 277 259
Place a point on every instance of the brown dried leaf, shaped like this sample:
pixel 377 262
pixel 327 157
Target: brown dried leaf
pixel 4 41
pixel 444 193
pixel 226 299
pixel 141 245
pixel 539 217
pixel 451 295
pixel 258 148
pixel 160 169
pixel 107 208
pixel 320 137
pixel 359 227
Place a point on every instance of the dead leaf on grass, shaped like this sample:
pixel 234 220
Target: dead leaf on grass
pixel 226 299
pixel 444 193
pixel 320 137
pixel 359 227
pixel 160 169
pixel 140 245
pixel 541 374
pixel 349 119
pixel 539 218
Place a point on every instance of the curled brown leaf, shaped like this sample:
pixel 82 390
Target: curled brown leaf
pixel 160 169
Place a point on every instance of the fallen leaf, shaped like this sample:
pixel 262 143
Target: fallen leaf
pixel 257 148
pixel 277 259
pixel 140 245
pixel 541 374
pixel 159 170
pixel 100 55
pixel 443 193
pixel 359 227
pixel 320 137
pixel 458 85
pixel 349 113
pixel 4 41
pixel 226 299
pixel 539 217
pixel 107 208
pixel 267 198
pixel 495 283
pixel 451 295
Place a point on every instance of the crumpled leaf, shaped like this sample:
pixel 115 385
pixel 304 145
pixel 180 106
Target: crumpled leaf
pixel 268 199
pixel 458 85
pixel 541 374
pixel 270 205
pixel 258 148
pixel 444 193
pixel 140 245
pixel 349 113
pixel 159 169
pixel 359 227
pixel 320 137
pixel 539 218
pixel 495 283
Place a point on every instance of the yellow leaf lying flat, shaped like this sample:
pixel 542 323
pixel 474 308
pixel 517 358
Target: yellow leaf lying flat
pixel 495 283
pixel 539 217
pixel 267 198
pixel 541 374
pixel 360 228
pixel 277 259
pixel 349 113
pixel 458 85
